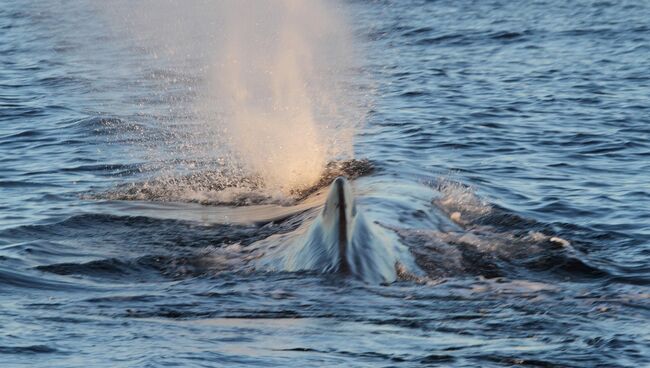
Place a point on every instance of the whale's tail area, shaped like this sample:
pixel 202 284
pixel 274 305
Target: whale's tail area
pixel 341 240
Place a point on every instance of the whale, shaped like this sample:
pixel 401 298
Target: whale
pixel 341 240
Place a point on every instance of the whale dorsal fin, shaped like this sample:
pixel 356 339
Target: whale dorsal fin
pixel 339 213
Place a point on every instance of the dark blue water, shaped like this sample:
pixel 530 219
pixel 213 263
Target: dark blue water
pixel 508 148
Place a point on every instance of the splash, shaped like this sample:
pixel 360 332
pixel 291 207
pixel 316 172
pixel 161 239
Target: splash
pixel 215 187
pixel 273 90
pixel 272 84
pixel 460 201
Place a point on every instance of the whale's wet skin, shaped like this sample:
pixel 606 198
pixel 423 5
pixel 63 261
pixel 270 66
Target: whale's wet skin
pixel 339 240
pixel 496 215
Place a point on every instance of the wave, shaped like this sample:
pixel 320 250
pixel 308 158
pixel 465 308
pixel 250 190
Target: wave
pixel 487 241
pixel 29 349
pixel 103 125
pixel 10 279
pixel 492 242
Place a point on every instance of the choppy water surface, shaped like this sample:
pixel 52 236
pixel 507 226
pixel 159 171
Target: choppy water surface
pixel 508 150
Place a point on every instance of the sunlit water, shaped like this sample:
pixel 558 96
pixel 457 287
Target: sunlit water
pixel 509 146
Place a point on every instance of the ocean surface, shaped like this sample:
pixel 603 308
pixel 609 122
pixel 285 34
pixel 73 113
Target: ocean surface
pixel 506 146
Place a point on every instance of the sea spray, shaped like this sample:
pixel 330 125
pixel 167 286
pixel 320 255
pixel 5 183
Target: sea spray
pixel 271 86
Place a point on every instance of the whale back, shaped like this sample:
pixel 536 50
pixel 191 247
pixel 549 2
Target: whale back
pixel 341 240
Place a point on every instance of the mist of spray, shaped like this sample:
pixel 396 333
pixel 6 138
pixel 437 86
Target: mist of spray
pixel 274 89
